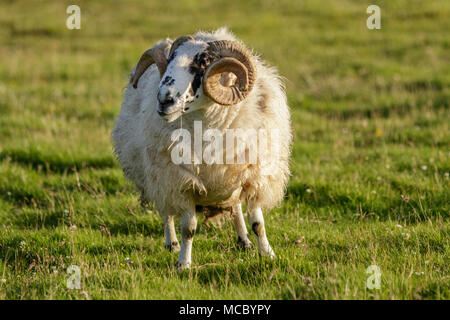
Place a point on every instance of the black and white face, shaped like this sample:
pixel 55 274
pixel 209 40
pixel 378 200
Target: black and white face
pixel 180 89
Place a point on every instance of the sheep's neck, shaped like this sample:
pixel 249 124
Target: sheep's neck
pixel 215 116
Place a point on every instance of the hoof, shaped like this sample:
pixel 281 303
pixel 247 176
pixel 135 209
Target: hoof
pixel 173 247
pixel 245 243
pixel 268 253
pixel 182 266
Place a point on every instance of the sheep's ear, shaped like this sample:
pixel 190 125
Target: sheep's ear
pixel 154 55
pixel 178 42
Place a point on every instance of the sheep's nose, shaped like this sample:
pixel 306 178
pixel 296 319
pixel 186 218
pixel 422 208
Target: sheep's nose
pixel 165 101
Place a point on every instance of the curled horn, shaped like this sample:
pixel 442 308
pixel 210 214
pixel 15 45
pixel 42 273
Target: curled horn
pixel 234 58
pixel 178 42
pixel 153 55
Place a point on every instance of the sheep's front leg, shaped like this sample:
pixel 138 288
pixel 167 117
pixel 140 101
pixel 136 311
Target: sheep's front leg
pixel 188 226
pixel 170 235
pixel 256 220
pixel 238 219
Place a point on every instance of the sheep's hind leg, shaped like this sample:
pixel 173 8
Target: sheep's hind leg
pixel 188 226
pixel 256 220
pixel 238 219
pixel 170 235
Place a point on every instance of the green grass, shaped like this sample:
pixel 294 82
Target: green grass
pixel 370 165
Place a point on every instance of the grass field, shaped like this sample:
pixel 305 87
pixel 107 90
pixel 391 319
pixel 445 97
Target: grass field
pixel 370 165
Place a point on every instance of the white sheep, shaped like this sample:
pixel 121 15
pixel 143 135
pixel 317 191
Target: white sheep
pixel 211 79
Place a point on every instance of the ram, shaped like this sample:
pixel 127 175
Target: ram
pixel 211 81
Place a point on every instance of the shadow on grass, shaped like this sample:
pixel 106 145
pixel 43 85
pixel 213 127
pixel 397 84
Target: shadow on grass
pixel 383 110
pixel 124 224
pixel 22 197
pixel 55 162
pixel 249 274
pixel 132 226
pixel 412 210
